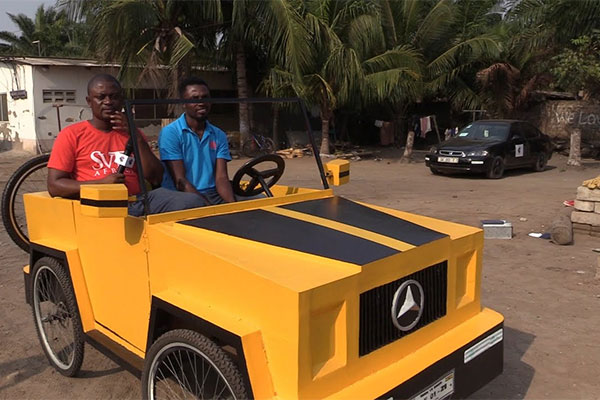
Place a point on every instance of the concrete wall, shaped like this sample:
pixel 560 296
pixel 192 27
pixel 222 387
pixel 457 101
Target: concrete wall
pixel 557 117
pixel 19 131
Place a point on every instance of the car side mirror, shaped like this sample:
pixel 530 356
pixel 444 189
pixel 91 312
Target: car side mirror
pixel 104 201
pixel 517 137
pixel 337 172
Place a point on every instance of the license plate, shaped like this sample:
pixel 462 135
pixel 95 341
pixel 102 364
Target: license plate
pixel 441 389
pixel 452 160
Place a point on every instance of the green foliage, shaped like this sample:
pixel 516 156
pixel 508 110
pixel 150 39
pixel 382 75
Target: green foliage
pixel 57 35
pixel 578 67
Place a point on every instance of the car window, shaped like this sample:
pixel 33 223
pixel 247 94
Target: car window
pixel 485 131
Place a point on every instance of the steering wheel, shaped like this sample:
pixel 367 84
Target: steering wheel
pixel 258 182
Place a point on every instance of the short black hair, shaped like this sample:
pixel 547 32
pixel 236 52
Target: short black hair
pixel 102 78
pixel 192 80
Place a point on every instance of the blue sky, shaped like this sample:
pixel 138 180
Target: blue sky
pixel 26 7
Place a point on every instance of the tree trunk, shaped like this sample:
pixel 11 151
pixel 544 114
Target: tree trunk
pixel 575 149
pixel 276 138
pixel 242 89
pixel 410 140
pixel 324 135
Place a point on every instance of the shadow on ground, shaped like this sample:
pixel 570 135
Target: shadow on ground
pixel 514 382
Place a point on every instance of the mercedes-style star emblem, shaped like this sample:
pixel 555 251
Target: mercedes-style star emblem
pixel 407 306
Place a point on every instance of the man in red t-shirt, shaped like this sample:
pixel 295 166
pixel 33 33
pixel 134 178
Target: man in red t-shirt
pixel 86 152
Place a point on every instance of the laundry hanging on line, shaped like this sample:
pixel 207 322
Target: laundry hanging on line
pixel 425 125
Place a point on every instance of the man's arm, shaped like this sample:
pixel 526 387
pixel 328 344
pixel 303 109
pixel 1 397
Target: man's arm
pixel 61 184
pixel 177 171
pixel 222 181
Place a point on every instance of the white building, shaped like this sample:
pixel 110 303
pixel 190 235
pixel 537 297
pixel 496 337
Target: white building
pixel 35 92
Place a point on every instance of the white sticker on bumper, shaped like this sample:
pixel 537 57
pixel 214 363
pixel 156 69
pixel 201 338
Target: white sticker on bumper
pixel 483 345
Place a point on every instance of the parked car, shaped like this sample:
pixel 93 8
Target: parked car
pixel 491 147
pixel 300 294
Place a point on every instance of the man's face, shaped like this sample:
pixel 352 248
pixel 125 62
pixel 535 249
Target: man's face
pixel 198 111
pixel 104 98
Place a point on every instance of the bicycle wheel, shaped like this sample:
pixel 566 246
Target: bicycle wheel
pixel 268 146
pixel 28 178
pixel 184 364
pixel 250 148
pixel 56 318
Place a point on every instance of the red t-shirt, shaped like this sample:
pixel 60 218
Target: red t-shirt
pixel 89 154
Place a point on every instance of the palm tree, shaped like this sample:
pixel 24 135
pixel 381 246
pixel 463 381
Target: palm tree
pixel 50 33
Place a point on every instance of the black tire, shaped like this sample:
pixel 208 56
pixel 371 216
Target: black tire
pixel 496 168
pixel 56 317
pixel 176 354
pixel 250 148
pixel 540 162
pixel 435 171
pixel 28 178
pixel 268 146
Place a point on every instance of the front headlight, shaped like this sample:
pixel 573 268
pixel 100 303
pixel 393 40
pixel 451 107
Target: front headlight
pixel 477 153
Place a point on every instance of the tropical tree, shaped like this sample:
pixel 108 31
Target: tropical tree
pixel 153 34
pixel 49 34
pixel 452 41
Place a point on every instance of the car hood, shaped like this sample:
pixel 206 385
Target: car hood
pixel 328 237
pixel 463 144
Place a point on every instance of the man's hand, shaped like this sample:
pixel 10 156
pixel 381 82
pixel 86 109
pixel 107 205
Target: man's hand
pixel 118 122
pixel 112 178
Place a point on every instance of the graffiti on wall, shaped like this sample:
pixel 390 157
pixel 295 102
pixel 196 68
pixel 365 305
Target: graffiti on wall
pixel 562 116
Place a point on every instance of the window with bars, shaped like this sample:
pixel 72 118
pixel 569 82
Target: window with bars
pixel 3 107
pixel 58 96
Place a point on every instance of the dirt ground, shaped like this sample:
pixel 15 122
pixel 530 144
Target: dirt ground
pixel 547 293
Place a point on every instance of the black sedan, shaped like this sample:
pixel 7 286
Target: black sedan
pixel 491 147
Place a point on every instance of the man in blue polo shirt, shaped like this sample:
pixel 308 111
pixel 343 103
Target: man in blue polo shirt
pixel 194 151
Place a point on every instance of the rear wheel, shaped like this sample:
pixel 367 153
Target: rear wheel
pixel 496 168
pixel 56 318
pixel 540 162
pixel 28 178
pixel 184 364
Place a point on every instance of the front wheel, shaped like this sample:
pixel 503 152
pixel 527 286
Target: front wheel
pixel 540 162
pixel 496 168
pixel 56 318
pixel 28 178
pixel 184 364
pixel 435 171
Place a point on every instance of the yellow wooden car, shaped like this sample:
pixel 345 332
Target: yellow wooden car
pixel 302 294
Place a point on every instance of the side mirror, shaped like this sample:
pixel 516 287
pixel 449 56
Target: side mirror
pixel 104 201
pixel 517 137
pixel 337 172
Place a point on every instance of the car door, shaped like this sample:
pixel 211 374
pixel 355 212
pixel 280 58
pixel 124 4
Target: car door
pixel 535 142
pixel 517 147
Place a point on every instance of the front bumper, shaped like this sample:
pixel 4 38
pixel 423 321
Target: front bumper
pixel 469 376
pixel 480 338
pixel 467 164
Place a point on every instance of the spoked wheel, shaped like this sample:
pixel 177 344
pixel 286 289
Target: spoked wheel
pixel 250 148
pixel 56 317
pixel 28 178
pixel 184 364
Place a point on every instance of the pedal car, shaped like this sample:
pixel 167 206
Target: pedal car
pixel 300 294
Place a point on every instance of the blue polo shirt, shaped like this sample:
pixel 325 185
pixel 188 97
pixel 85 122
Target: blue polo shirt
pixel 178 142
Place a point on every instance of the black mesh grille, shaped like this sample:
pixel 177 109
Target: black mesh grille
pixel 376 326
